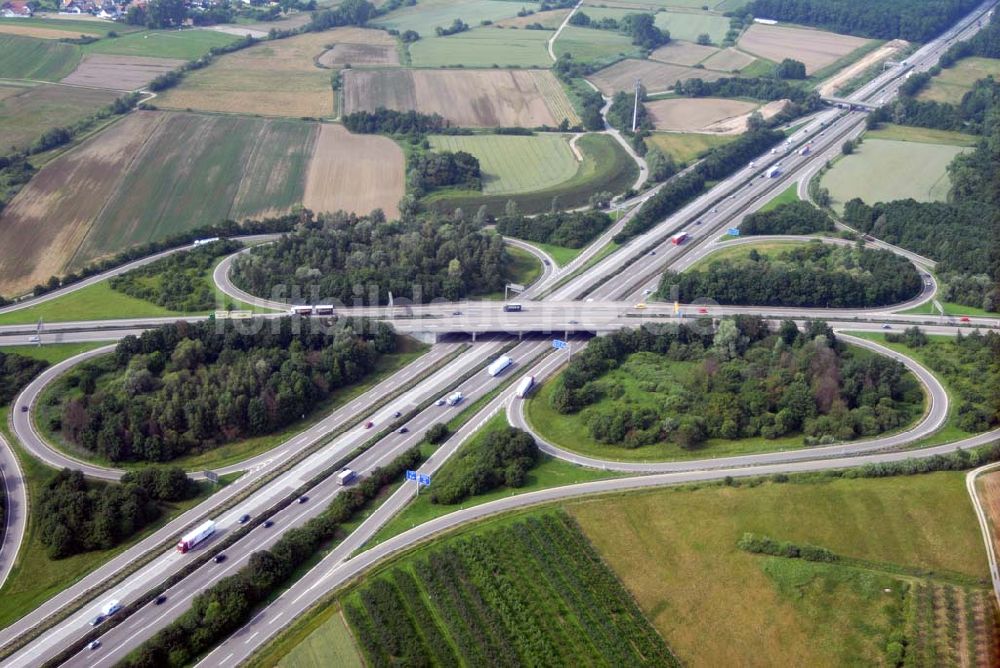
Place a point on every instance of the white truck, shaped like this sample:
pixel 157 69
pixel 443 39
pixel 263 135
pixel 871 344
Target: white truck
pixel 804 151
pixel 524 387
pixel 774 172
pixel 498 365
pixel 195 536
pixel 111 607
pixel 346 476
pixel 454 399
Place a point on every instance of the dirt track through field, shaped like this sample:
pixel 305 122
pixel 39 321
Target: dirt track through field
pixel 356 173
pixel 831 85
pixel 467 98
pixel 359 54
pixel 119 72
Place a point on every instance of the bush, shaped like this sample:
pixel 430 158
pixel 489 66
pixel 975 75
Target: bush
pixel 437 433
pixel 495 459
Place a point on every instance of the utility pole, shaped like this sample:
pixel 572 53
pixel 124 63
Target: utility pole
pixel 635 109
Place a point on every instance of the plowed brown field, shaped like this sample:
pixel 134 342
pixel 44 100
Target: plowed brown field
pixel 119 72
pixel 815 48
pixel 356 173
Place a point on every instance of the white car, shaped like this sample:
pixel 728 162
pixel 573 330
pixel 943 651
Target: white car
pixel 35 339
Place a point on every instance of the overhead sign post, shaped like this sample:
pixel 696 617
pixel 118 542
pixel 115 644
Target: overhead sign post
pixel 212 477
pixel 559 344
pixel 423 479
pixel 512 287
pixel 411 475
pixel 733 231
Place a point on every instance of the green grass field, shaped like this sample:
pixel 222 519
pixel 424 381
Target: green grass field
pixel 686 146
pixel 921 135
pixel 683 25
pixel 881 170
pixel 952 309
pixel 715 605
pixel 52 352
pixel 94 302
pixel 327 643
pixel 425 16
pixel 484 47
pixel 184 44
pixel 28 110
pixel 606 166
pixel 954 82
pixel 515 164
pixel 73 27
pixel 201 169
pixel 786 196
pixel 42 59
pixel 560 254
pixel 741 251
pixel 588 44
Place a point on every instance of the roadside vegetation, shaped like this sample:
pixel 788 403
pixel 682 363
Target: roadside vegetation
pixel 640 394
pixel 817 274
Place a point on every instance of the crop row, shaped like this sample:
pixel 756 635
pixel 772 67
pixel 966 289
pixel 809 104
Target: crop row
pixel 534 593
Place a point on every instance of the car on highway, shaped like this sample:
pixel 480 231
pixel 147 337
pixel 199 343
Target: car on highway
pixel 640 306
pixel 219 558
pixel 703 310
pixel 574 322
pixel 244 518
pixel 93 644
pixel 965 318
pixel 715 210
pixel 439 402
pixel 160 600
pixel 303 498
pixel 97 620
pixel 647 291
pixel 396 414
pixel 403 430
pixel 34 339
pixel 456 313
pixel 268 524
pixel 652 252
pixel 369 424
pixel 887 326
pixel 546 262
pixel 24 408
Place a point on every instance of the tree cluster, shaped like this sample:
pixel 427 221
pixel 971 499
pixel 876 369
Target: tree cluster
pixel 661 165
pixel 570 229
pixel 192 386
pixel 755 544
pixel 985 43
pixel 818 275
pixel 177 282
pixel 77 516
pixel 442 169
pixel 426 259
pixel 16 371
pixel 389 122
pixel 457 26
pixel 790 68
pixel 759 88
pixel 789 218
pixel 640 27
pixel 347 13
pixel 717 163
pixel 621 110
pixel 497 459
pixel 914 20
pixel 750 382
pixel 970 115
pixel 228 604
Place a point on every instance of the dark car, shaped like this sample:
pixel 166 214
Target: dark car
pixel 97 620
pixel 268 524
pixel 24 409
pixel 369 424
pixel 303 499
pixel 546 262
pixel 396 414
pixel 160 600
pixel 403 430
pixel 244 518
pixel 219 558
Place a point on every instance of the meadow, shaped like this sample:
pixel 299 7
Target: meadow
pixel 686 146
pixel 27 110
pixel 655 76
pixel 881 170
pixel 586 44
pixel 183 44
pixel 425 16
pixel 28 58
pixel 956 81
pixel 676 552
pixel 515 164
pixel 484 46
pixel 605 167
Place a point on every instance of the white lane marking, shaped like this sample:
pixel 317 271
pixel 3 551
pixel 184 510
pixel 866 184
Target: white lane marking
pixel 250 639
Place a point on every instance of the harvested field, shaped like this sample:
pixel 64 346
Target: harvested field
pixel 119 72
pixel 815 48
pixel 881 170
pixel 467 98
pixel 357 173
pixel 884 52
pixel 427 15
pixel 39 32
pixel 66 27
pixel 26 111
pixel 146 177
pixel 683 53
pixel 686 146
pixel 655 76
pixel 359 54
pixel 728 60
pixel 696 114
pixel 738 124
pixel 46 222
pixel 278 78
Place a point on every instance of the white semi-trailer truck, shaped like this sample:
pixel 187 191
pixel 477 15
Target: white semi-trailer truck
pixel 195 536
pixel 525 386
pixel 498 365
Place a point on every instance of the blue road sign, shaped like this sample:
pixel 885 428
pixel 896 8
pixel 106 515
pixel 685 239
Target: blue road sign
pixel 559 345
pixel 733 231
pixel 411 475
pixel 424 480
